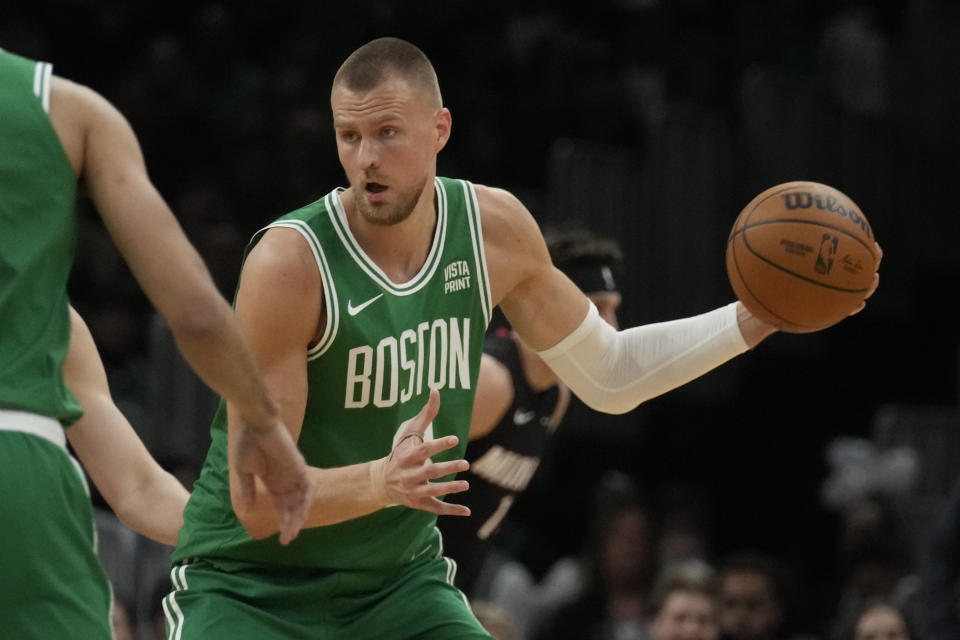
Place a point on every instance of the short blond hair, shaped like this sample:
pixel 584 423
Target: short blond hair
pixel 382 58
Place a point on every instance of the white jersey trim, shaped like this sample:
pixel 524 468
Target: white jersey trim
pixel 329 289
pixel 338 217
pixel 479 254
pixel 41 83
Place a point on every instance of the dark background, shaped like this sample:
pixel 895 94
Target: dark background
pixel 653 122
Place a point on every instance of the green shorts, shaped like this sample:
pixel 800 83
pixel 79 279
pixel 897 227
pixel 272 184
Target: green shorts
pixel 217 599
pixel 54 585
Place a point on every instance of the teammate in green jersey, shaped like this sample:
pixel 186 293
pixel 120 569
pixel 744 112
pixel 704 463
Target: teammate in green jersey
pixel 52 132
pixel 362 310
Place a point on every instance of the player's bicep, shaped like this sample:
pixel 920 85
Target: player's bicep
pixel 113 166
pixel 140 223
pixel 541 303
pixel 493 397
pixel 545 307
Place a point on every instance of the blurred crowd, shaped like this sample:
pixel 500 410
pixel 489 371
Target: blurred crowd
pixel 656 120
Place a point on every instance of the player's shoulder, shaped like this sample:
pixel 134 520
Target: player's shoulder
pixel 286 254
pixel 504 216
pixel 498 201
pixel 79 99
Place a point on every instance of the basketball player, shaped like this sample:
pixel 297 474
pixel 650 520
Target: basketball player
pixel 367 311
pixel 53 131
pixel 518 406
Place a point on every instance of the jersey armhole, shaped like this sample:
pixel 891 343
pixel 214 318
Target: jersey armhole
pixel 479 255
pixel 329 289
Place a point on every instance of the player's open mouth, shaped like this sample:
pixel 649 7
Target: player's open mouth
pixel 375 187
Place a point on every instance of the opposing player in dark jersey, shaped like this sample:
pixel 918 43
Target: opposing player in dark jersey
pixel 52 132
pixel 367 311
pixel 519 403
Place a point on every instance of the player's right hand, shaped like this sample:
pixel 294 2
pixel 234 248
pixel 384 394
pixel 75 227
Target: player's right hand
pixel 874 284
pixel 408 472
pixel 272 455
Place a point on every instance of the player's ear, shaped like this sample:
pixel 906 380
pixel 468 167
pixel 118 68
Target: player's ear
pixel 442 126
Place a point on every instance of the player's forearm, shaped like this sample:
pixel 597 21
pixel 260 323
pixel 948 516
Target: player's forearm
pixel 616 371
pixel 177 282
pixel 339 494
pixel 154 508
pixel 144 496
pixel 211 342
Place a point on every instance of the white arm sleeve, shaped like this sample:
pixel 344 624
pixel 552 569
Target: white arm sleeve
pixel 614 371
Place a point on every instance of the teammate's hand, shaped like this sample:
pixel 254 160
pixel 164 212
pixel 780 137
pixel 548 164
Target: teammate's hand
pixel 408 470
pixel 271 455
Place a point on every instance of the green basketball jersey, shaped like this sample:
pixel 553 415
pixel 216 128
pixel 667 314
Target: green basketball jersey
pixel 37 241
pixel 384 347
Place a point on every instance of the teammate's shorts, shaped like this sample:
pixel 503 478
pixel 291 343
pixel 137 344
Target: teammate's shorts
pixel 53 585
pixel 216 599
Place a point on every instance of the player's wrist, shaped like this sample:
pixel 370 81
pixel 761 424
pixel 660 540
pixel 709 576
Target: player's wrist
pixel 752 329
pixel 378 481
pixel 260 413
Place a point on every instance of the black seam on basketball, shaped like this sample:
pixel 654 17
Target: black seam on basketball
pixel 811 222
pixel 797 275
pixel 756 206
pixel 756 298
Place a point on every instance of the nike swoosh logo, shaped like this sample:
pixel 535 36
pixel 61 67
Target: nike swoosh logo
pixel 417 555
pixel 521 418
pixel 354 310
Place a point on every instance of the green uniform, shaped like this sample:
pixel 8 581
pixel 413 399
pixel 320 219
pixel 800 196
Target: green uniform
pixel 55 588
pixel 37 239
pixel 384 346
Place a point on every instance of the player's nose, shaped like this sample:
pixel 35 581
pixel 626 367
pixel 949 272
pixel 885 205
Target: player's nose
pixel 368 153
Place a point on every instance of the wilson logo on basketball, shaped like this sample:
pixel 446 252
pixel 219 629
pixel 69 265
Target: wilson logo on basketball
pixel 806 200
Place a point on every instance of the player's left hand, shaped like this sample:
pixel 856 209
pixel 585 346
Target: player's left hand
pixel 408 472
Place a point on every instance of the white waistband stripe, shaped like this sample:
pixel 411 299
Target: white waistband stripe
pixel 34 424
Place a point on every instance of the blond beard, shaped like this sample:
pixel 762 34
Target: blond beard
pixel 385 216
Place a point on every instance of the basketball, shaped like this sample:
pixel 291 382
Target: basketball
pixel 801 256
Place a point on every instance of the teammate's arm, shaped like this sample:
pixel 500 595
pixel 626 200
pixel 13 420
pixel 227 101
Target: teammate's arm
pixel 493 398
pixel 103 149
pixel 144 496
pixel 610 370
pixel 279 307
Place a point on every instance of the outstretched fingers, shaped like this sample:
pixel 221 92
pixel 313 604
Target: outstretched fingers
pixel 445 508
pixel 418 425
pixel 431 492
pixel 411 475
pixel 441 469
pixel 431 448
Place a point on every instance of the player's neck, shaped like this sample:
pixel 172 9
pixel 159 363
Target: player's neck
pixel 539 376
pixel 400 249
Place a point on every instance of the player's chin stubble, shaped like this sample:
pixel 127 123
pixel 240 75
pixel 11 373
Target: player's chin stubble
pixel 386 215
